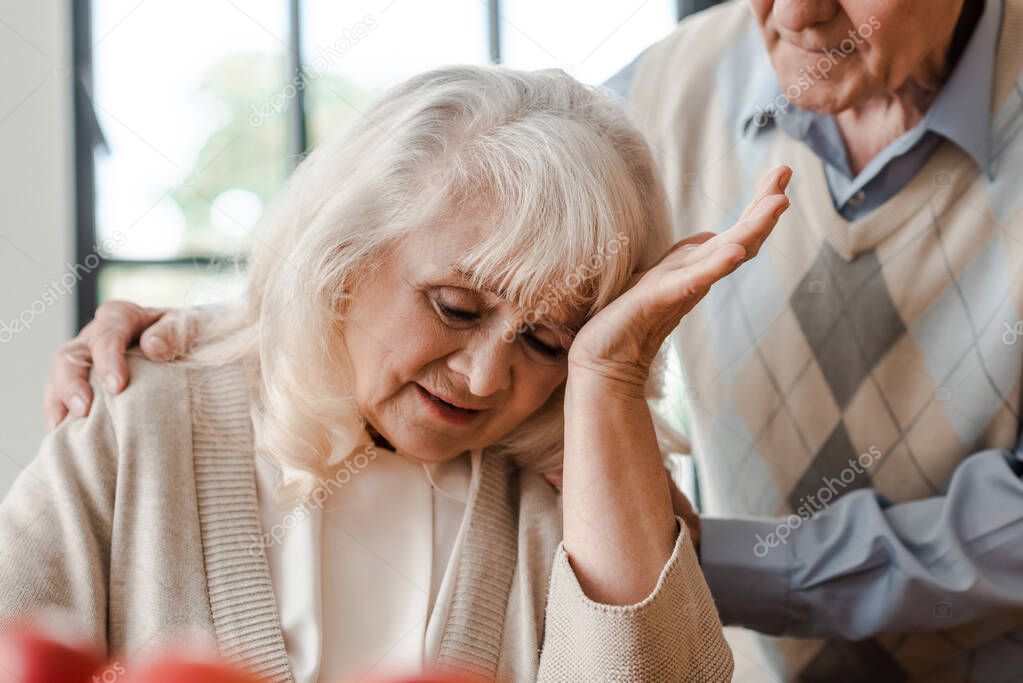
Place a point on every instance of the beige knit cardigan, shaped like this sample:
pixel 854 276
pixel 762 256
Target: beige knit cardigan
pixel 139 520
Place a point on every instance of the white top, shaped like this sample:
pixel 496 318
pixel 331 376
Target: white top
pixel 359 567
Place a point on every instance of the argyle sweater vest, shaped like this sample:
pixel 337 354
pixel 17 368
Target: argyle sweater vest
pixel 898 333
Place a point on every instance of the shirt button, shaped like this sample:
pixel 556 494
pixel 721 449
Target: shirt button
pixel 857 199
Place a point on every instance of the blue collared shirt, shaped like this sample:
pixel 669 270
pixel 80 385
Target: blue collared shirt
pixel 961 114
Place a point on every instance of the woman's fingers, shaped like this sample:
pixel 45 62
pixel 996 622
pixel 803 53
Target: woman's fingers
pixel 690 274
pixel 751 232
pixel 748 234
pixel 630 330
pixel 693 265
pixel 691 241
pixel 775 182
pixel 683 288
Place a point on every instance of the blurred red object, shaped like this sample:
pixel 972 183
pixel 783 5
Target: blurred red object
pixel 435 677
pixel 30 653
pixel 178 671
pixel 27 655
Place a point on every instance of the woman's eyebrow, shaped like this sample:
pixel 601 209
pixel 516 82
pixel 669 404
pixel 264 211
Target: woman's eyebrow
pixel 469 276
pixel 566 333
pixel 564 330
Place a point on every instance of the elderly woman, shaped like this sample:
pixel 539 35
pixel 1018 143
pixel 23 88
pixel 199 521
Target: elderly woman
pixel 465 291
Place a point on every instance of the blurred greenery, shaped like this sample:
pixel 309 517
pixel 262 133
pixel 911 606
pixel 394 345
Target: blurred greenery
pixel 246 151
pixel 249 149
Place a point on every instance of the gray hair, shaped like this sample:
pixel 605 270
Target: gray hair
pixel 554 164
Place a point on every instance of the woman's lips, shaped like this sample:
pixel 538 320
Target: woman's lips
pixel 445 411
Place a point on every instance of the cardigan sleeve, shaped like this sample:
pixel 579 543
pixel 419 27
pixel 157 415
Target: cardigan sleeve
pixel 55 526
pixel 674 634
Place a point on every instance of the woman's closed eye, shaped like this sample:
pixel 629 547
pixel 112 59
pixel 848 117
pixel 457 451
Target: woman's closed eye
pixel 461 315
pixel 545 349
pixel 456 313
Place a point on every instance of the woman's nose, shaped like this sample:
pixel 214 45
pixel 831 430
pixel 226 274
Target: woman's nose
pixel 485 363
pixel 796 15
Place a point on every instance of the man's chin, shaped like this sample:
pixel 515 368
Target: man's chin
pixel 822 97
pixel 817 83
pixel 827 105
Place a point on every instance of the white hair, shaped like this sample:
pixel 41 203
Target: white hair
pixel 555 165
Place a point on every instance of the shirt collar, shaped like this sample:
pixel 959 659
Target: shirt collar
pixel 764 96
pixel 961 113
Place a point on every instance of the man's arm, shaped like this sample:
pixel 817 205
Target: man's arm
pixel 865 566
pixel 99 350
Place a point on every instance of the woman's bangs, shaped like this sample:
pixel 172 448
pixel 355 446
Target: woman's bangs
pixel 538 262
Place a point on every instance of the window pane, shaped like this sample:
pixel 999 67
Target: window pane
pixel 590 40
pixel 170 285
pixel 354 50
pixel 180 89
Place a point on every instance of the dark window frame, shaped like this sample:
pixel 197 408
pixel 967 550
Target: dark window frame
pixel 87 137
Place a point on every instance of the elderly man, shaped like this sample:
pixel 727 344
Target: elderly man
pixel 853 397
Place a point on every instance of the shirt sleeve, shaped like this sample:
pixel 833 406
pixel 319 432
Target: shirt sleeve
pixel 866 566
pixel 674 634
pixel 620 84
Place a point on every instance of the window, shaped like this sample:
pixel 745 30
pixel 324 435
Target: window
pixel 189 115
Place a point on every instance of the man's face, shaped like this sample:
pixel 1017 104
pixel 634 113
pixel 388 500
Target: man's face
pixel 833 54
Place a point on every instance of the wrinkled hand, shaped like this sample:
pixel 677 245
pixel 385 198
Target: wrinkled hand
pixel 163 335
pixel 621 341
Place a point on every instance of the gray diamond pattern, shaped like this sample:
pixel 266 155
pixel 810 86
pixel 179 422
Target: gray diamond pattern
pixel 848 317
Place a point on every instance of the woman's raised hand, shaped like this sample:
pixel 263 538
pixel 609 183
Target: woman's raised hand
pixel 621 341
pixel 619 525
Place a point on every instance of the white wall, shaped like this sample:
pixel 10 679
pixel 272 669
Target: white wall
pixel 36 214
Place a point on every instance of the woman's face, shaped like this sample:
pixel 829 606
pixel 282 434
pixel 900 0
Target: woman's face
pixel 437 371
